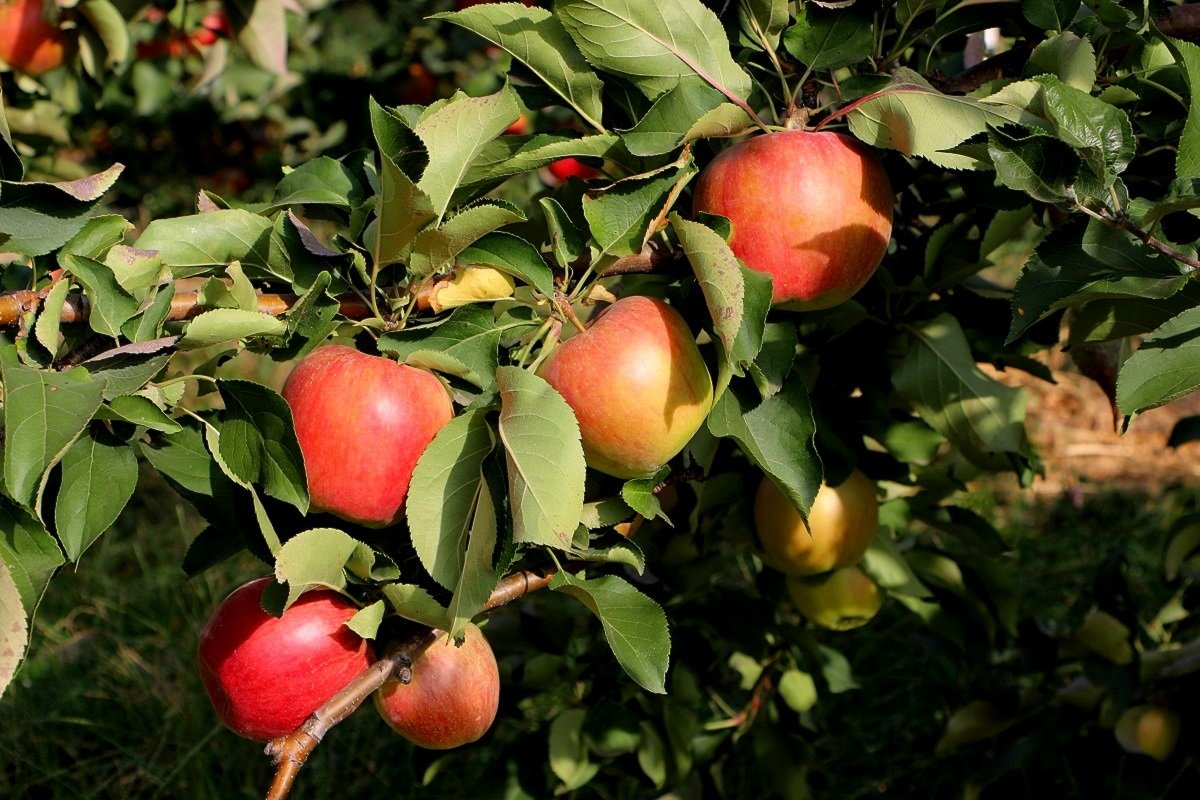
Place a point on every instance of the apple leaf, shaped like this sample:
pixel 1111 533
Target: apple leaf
pixel 763 20
pixel 258 441
pixel 477 577
pixel 1164 368
pixel 30 552
pixel 568 757
pixel 317 558
pixel 825 39
pixel 1068 57
pixel 721 279
pixel 14 630
pixel 983 419
pixel 365 621
pixel 202 244
pixel 434 249
pixel 639 495
pixel 138 410
pixel 513 256
pixel 1038 165
pixel 620 216
pixel 655 44
pixel 261 28
pixel 40 217
pixel 416 604
pixel 566 239
pixel 634 625
pixel 537 38
pixel 470 336
pixel 445 495
pixel 43 414
pixel 321 181
pixel 137 271
pixel 148 325
pixel 125 369
pixel 98 236
pixel 1185 538
pixel 111 305
pixel 48 328
pixel 99 474
pixel 212 439
pixel 1187 159
pixel 454 134
pixel 775 357
pixel 605 513
pixel 779 435
pixel 691 110
pixel 227 325
pixel 511 155
pixel 545 459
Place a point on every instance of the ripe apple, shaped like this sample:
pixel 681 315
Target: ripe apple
pixel 814 210
pixel 1150 730
pixel 570 167
pixel 362 422
pixel 637 384
pixel 845 598
pixel 452 698
pixel 27 41
pixel 518 128
pixel 420 87
pixel 842 521
pixel 265 675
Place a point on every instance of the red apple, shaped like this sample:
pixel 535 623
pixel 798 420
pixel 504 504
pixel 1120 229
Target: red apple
pixel 265 675
pixel 814 210
pixel 637 384
pixel 27 41
pixel 452 698
pixel 842 522
pixel 570 167
pixel 362 422
pixel 518 128
pixel 420 87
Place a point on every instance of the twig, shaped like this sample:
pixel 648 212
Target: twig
pixel 1145 237
pixel 651 257
pixel 290 752
pixel 749 712
pixel 563 304
pixel 1182 22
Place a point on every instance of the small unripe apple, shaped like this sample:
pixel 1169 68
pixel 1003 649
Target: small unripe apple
pixel 27 41
pixel 266 675
pixel 362 422
pixel 843 599
pixel 1150 730
pixel 842 521
pixel 637 384
pixel 814 210
pixel 452 698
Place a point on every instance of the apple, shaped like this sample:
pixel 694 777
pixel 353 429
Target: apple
pixel 843 599
pixel 362 422
pixel 452 698
pixel 420 87
pixel 518 128
pixel 842 522
pixel 569 167
pixel 28 42
pixel 814 210
pixel 1150 730
pixel 637 384
pixel 266 675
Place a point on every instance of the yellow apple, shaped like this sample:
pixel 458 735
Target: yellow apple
pixel 842 521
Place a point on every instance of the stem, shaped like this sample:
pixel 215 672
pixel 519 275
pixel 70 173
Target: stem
pixel 563 304
pixel 1146 238
pixel 289 753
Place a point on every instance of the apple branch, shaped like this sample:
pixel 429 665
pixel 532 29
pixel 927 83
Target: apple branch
pixel 289 753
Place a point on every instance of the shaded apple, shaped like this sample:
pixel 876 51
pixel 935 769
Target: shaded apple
pixel 569 167
pixel 814 210
pixel 265 675
pixel 452 698
pixel 842 521
pixel 840 600
pixel 28 42
pixel 362 422
pixel 1148 729
pixel 637 384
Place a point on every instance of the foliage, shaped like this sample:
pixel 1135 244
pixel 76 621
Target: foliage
pixel 1081 146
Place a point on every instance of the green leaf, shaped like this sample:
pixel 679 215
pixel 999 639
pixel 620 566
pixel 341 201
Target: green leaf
pixel 138 410
pixel 1164 368
pixel 99 475
pixel 605 513
pixel 47 329
pixel 639 495
pixel 512 155
pixel 829 39
pixel 366 620
pixel 203 244
pixel 14 633
pixel 1040 166
pixel 110 28
pixel 763 20
pixel 1105 320
pixel 40 217
pixel 111 306
pixel 1100 133
pixel 779 435
pixel 634 625
pixel 258 441
pixel 721 279
pixel 545 459
pixel 655 44
pixel 513 256
pixel 537 39
pixel 445 494
pixel 261 28
pixel 416 604
pixel 321 181
pixel 402 209
pixel 470 336
pixel 478 576
pixel 568 756
pixel 435 249
pixel 1052 15
pixel 229 324
pixel 620 217
pixel 30 552
pixel 317 558
pixel 454 135
pixel 690 110
pixel 98 236
pixel 1068 57
pixel 1187 159
pixel 983 419
pixel 1183 194
pixel 566 240
pixel 148 325
pixel 43 414
pixel 127 368
pixel 137 271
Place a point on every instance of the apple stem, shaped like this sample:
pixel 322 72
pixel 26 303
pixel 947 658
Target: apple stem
pixel 564 306
pixel 290 752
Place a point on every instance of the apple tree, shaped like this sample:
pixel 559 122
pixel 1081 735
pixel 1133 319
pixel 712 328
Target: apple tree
pixel 710 305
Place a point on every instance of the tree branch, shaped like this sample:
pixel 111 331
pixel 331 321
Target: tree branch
pixel 289 753
pixel 1181 22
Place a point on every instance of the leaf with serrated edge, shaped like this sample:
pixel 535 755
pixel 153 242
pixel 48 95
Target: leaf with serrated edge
pixel 478 576
pixel 365 621
pixel 1164 368
pixel 416 604
pixel 634 625
pixel 98 478
pixel 316 557
pixel 14 630
pixel 513 256
pixel 545 459
pixel 229 324
pixel 445 492
pixel 1187 159
pixel 720 278
pixel 434 249
pixel 258 441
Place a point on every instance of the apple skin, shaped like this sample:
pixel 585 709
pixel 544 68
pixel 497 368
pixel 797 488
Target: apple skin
pixel 452 698
pixel 27 41
pixel 1149 730
pixel 843 519
pixel 266 675
pixel 637 384
pixel 362 422
pixel 845 598
pixel 569 167
pixel 814 210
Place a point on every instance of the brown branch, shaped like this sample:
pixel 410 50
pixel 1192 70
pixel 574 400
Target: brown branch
pixel 13 305
pixel 1001 65
pixel 651 257
pixel 290 752
pixel 1145 237
pixel 1181 22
